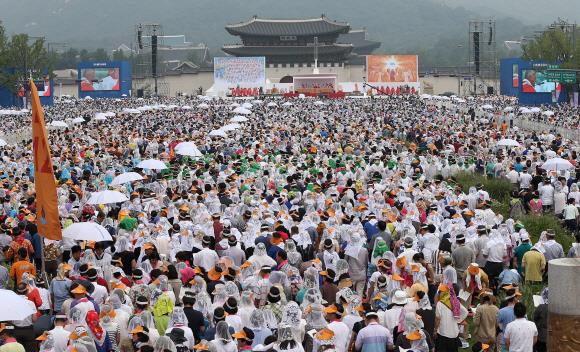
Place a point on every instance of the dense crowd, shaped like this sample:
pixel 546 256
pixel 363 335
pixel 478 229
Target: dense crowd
pixel 335 225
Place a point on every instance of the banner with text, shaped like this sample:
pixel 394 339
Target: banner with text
pixel 239 72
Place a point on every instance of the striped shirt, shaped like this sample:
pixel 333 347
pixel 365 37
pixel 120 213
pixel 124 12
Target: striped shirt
pixel 373 338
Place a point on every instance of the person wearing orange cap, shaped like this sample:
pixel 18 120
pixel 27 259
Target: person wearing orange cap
pixel 334 314
pixel 475 280
pixel 245 338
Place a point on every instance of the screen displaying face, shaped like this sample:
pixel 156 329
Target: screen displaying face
pixel 534 81
pixel 99 79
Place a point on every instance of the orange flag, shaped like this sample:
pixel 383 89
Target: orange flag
pixel 48 221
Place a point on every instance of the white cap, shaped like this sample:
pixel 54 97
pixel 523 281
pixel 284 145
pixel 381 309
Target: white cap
pixel 524 236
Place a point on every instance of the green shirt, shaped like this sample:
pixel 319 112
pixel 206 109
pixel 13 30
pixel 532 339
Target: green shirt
pixel 519 254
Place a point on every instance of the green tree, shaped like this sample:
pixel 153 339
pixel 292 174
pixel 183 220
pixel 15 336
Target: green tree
pixel 21 59
pixel 100 55
pixel 554 45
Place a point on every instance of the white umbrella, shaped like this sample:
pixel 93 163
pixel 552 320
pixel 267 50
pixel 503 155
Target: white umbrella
pixel 184 145
pixel 548 113
pixel 107 197
pixel 187 149
pixel 487 106
pixel 484 120
pixel 239 118
pixel 87 231
pixel 131 111
pixel 152 164
pixel 247 105
pixel 88 97
pixel 218 133
pixel 287 104
pixel 508 109
pixel 203 106
pixel 186 107
pixel 272 104
pixel 3 143
pixel 231 127
pixel 557 164
pixel 507 142
pixel 257 101
pixel 126 178
pixel 425 96
pixel 242 111
pixel 535 109
pixel 100 116
pixel 58 123
pixel 234 105
pixel 14 307
pixel 318 102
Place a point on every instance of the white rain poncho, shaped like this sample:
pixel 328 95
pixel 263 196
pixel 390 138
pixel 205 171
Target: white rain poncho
pixel 164 344
pixel 177 318
pixel 246 307
pixel 315 318
pixel 257 320
pixel 286 341
pixel 311 278
pixel 261 257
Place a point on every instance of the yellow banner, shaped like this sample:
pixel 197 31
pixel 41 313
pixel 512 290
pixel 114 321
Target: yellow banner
pixel 47 219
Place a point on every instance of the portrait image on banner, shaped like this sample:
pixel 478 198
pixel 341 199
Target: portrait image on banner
pixel 99 78
pixel 243 72
pixel 392 68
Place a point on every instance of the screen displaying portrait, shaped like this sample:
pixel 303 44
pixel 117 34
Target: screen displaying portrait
pixel 105 78
pixel 534 81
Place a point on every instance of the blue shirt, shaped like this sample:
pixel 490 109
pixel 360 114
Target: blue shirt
pixel 504 317
pixel 370 230
pixel 509 277
pixel 36 244
pixel 60 288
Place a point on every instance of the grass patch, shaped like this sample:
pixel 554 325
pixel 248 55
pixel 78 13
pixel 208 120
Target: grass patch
pixel 499 191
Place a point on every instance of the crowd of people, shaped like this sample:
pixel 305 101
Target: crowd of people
pixel 335 225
